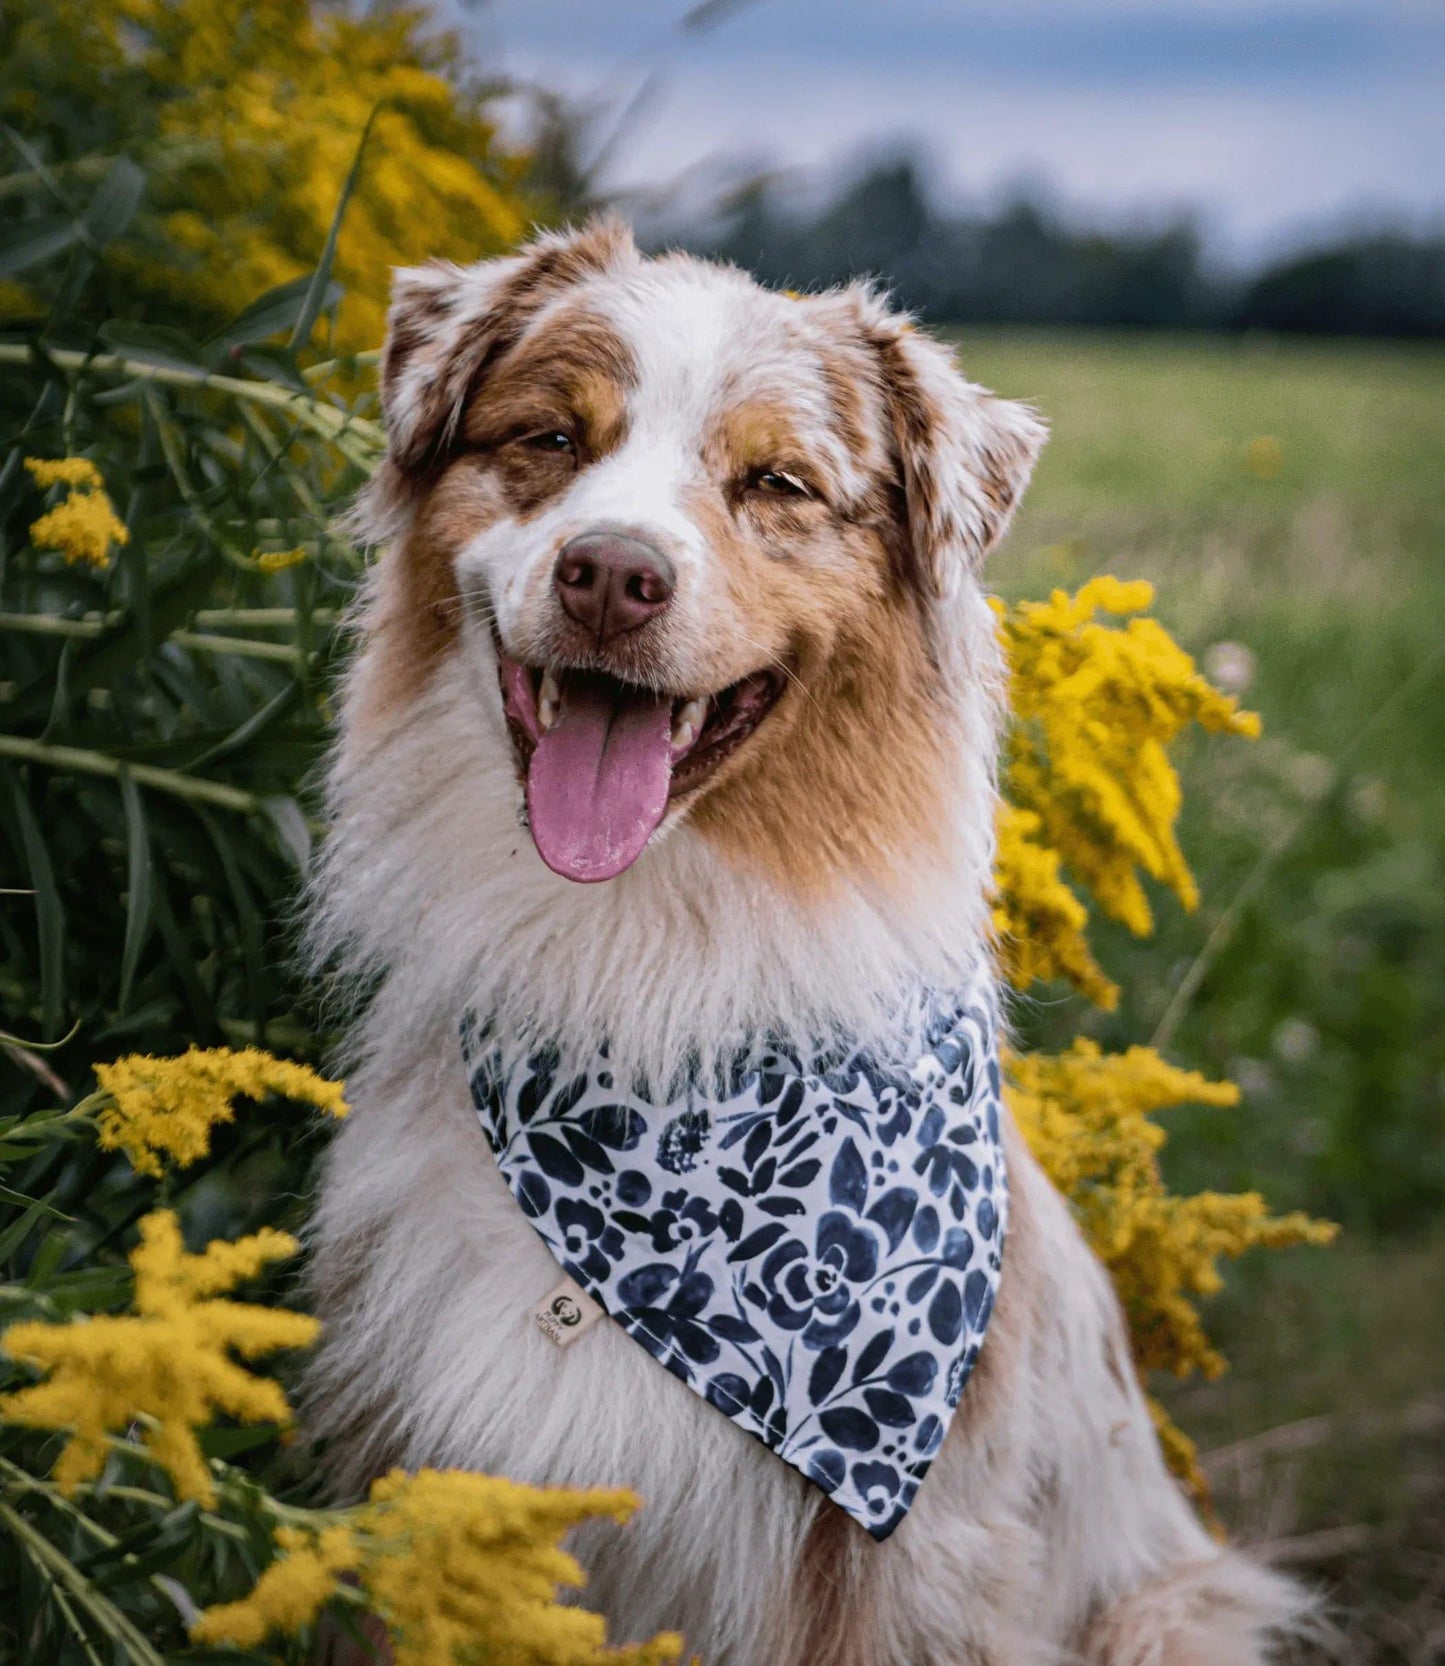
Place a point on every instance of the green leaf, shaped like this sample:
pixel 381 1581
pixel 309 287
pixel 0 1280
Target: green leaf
pixel 114 204
pixel 278 309
pixel 153 344
pixel 248 729
pixel 248 921
pixel 49 914
pixel 19 1230
pixel 36 163
pixel 91 1289
pixel 48 1257
pixel 321 277
pixel 139 884
pixel 183 962
pixel 20 1201
pixel 41 240
pixel 145 1550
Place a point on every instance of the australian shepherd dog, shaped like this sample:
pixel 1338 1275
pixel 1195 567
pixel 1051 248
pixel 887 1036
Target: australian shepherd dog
pixel 673 723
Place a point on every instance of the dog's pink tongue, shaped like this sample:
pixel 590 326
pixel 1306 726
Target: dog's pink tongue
pixel 599 777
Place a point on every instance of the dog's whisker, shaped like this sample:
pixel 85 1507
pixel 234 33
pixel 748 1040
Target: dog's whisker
pixel 782 666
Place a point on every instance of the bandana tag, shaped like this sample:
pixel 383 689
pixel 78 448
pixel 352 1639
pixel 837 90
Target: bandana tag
pixel 566 1313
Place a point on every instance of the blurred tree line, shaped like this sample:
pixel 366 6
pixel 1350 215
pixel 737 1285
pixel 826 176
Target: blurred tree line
pixel 1026 263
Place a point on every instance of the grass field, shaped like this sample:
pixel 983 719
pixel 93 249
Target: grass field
pixel 1290 500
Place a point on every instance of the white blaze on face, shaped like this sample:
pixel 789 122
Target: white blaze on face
pixel 599 775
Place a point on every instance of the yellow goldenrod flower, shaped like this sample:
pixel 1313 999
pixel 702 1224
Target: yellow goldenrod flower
pixel 1095 710
pixel 169 1363
pixel 459 1567
pixel 15 299
pixel 168 1107
pixel 289 1594
pixel 77 472
pixel 277 561
pixel 1039 921
pixel 1182 1457
pixel 85 525
pixel 1264 457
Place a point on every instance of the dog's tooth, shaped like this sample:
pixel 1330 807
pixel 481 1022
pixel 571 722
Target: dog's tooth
pixel 687 725
pixel 549 700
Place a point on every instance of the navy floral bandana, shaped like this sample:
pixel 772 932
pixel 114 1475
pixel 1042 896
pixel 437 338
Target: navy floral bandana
pixel 814 1248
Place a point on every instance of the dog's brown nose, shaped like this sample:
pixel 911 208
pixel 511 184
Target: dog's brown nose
pixel 610 583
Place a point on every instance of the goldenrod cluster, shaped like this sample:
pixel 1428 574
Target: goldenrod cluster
pixel 259 106
pixel 84 525
pixel 1040 922
pixel 1086 1116
pixel 1091 790
pixel 166 1108
pixel 277 561
pixel 1095 710
pixel 461 1568
pixel 168 1364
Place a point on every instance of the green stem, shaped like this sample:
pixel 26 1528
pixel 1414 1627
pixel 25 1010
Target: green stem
pixel 19 1293
pixel 61 1571
pixel 26 1482
pixel 47 624
pixel 327 420
pixel 85 762
pixel 257 618
pixel 328 367
pixel 243 646
pixel 72 1619
pixel 82 167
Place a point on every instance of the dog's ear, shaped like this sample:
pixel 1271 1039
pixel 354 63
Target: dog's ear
pixel 964 455
pixel 447 323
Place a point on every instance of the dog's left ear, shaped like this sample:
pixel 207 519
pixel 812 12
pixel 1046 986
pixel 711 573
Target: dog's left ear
pixel 965 455
pixel 448 323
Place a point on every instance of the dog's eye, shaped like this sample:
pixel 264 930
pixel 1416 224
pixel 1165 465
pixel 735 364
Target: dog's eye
pixel 549 439
pixel 781 484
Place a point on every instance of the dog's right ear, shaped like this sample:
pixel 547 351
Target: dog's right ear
pixel 963 455
pixel 448 323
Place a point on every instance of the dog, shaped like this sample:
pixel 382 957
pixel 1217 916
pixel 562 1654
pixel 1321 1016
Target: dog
pixel 674 724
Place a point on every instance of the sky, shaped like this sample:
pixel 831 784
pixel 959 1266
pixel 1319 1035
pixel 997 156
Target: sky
pixel 1275 123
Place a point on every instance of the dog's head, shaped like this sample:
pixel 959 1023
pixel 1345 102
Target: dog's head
pixel 709 543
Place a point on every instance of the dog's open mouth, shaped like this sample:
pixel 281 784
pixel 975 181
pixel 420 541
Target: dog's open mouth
pixel 603 758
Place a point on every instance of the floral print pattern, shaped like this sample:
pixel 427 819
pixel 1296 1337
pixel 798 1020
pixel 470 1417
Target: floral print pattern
pixel 815 1249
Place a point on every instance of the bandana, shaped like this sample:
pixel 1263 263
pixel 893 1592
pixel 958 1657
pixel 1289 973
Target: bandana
pixel 813 1246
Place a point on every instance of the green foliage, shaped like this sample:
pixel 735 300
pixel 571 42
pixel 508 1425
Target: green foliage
pixel 1326 1437
pixel 107 1574
pixel 1326 999
pixel 161 712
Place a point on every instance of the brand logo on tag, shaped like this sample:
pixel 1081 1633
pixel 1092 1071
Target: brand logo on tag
pixel 566 1313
